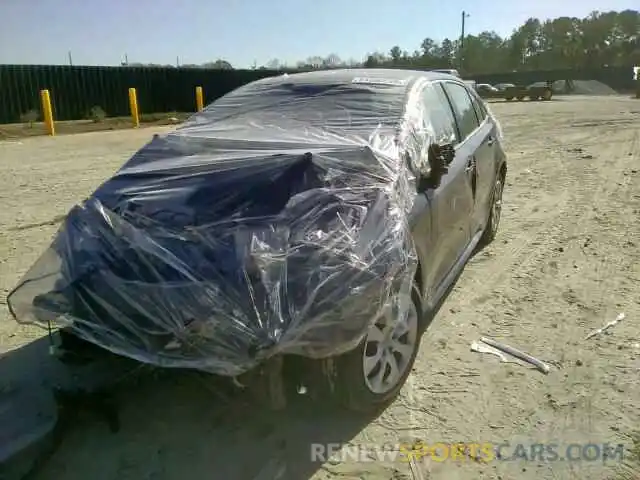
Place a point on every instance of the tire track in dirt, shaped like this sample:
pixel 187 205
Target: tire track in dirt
pixel 622 150
pixel 460 394
pixel 581 187
pixel 53 221
pixel 536 211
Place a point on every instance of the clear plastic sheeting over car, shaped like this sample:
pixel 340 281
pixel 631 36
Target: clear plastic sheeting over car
pixel 273 222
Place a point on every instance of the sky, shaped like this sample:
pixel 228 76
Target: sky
pixel 102 32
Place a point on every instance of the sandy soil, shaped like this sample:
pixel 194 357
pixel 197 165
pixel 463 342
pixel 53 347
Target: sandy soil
pixel 567 260
pixel 16 131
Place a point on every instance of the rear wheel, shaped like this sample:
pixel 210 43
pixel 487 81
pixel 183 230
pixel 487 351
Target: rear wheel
pixel 495 212
pixel 370 376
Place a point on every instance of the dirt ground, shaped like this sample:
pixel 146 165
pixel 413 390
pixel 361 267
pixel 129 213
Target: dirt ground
pixel 566 261
pixel 16 131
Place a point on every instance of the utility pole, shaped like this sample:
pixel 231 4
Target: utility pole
pixel 126 60
pixel 465 15
pixel 177 62
pixel 70 60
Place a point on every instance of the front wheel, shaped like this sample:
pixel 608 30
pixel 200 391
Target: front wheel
pixel 370 376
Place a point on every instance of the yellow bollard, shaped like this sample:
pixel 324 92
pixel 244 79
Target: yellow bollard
pixel 47 112
pixel 199 99
pixel 133 105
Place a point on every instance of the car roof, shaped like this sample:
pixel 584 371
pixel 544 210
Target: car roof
pixel 347 76
pixel 262 109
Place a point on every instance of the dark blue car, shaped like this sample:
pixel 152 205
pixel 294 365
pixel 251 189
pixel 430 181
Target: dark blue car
pixel 320 215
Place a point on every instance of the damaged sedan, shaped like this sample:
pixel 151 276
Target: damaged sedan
pixel 321 215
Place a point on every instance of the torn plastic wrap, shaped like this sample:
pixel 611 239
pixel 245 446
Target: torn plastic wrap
pixel 275 221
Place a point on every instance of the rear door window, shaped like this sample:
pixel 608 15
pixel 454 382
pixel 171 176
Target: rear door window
pixel 463 109
pixel 478 105
pixel 439 114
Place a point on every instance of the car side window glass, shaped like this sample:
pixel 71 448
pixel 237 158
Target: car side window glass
pixel 478 105
pixel 439 114
pixel 463 109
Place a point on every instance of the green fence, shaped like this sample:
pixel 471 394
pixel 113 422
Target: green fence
pixel 75 90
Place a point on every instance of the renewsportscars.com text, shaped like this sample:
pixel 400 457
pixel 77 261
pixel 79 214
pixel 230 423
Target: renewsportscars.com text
pixel 472 451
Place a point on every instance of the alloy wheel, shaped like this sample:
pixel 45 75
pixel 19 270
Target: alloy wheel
pixel 390 345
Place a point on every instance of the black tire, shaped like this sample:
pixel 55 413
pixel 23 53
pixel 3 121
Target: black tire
pixel 495 213
pixel 508 99
pixel 351 389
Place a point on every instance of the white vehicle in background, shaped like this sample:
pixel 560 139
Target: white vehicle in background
pixel 503 86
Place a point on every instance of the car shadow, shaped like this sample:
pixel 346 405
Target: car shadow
pixel 175 422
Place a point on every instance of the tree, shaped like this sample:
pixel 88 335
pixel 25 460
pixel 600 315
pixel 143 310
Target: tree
pixel 601 38
pixel 376 59
pixel 446 52
pixel 332 61
pixel 609 38
pixel 315 62
pixel 396 54
pixel 218 65
pixel 428 47
pixel 273 64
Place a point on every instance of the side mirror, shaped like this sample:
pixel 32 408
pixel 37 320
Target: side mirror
pixel 440 156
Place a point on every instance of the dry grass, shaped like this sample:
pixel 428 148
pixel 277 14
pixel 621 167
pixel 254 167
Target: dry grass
pixel 22 130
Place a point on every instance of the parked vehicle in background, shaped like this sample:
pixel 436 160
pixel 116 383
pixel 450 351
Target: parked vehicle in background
pixel 320 215
pixel 535 91
pixel 540 91
pixel 487 86
pixel 503 86
pixel 515 91
pixel 486 90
